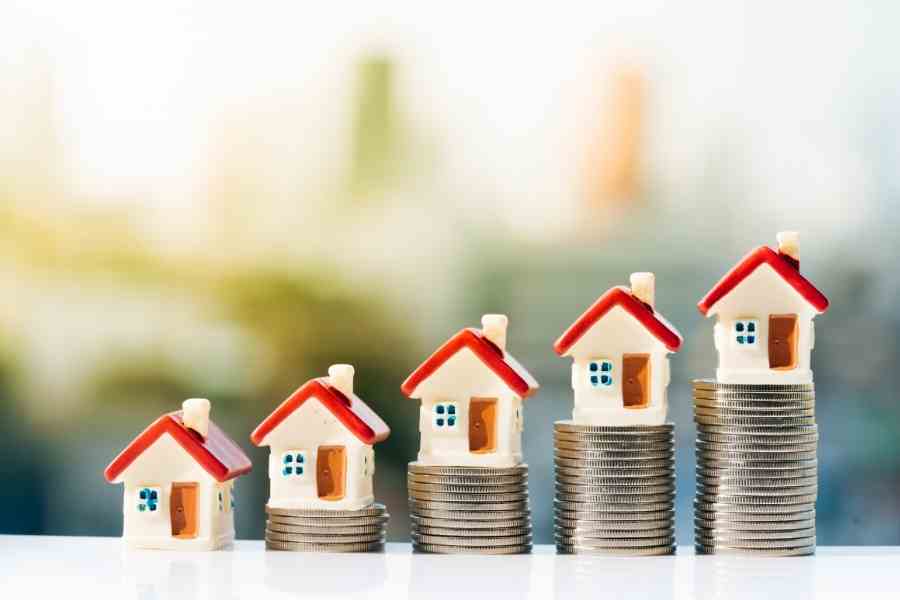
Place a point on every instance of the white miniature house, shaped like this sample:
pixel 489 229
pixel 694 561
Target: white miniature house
pixel 320 445
pixel 471 391
pixel 765 310
pixel 620 348
pixel 179 482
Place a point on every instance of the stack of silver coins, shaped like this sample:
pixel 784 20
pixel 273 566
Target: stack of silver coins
pixel 316 530
pixel 469 510
pixel 615 489
pixel 756 469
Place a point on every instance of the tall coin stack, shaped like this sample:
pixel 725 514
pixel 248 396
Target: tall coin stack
pixel 312 530
pixel 469 510
pixel 756 469
pixel 615 489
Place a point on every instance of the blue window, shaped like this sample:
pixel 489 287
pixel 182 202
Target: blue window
pixel 148 499
pixel 293 463
pixel 445 415
pixel 600 373
pixel 746 332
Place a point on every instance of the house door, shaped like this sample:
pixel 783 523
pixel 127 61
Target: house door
pixel 183 510
pixel 636 380
pixel 482 425
pixel 783 342
pixel 331 472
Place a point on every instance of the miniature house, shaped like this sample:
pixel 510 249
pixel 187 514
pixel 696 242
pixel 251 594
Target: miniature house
pixel 179 482
pixel 320 445
pixel 765 311
pixel 472 391
pixel 620 349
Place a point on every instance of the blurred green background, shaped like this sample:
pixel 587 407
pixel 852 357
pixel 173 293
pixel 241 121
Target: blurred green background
pixel 222 202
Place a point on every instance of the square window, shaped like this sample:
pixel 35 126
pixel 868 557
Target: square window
pixel 153 495
pixel 288 458
pixel 143 494
pixel 148 499
pixel 299 470
pixel 594 367
pixel 751 339
pixel 440 422
pixel 451 410
pixel 745 332
pixel 451 422
pixel 606 366
pixel 606 380
pixel 751 326
pixel 740 339
pixel 739 326
pixel 152 506
pixel 301 459
pixel 440 409
pixel 595 380
pixel 288 470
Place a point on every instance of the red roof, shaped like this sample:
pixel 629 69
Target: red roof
pixel 652 321
pixel 785 267
pixel 218 454
pixel 352 412
pixel 499 361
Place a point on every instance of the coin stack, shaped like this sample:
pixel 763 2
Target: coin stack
pixel 319 530
pixel 469 510
pixel 756 469
pixel 615 489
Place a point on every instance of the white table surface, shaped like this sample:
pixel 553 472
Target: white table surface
pixel 102 568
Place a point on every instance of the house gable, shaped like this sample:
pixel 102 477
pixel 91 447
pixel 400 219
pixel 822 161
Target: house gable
pixel 310 425
pixel 763 258
pixel 461 376
pixel 163 462
pixel 761 293
pixel 616 332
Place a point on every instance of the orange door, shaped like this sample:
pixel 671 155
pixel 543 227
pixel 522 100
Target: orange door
pixel 183 510
pixel 331 472
pixel 783 342
pixel 482 425
pixel 636 380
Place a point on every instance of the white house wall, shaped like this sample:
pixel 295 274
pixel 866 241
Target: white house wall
pixel 761 294
pixel 460 378
pixel 163 463
pixel 617 333
pixel 310 426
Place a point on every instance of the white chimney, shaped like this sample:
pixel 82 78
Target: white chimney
pixel 195 415
pixel 341 377
pixel 789 246
pixel 643 287
pixel 494 328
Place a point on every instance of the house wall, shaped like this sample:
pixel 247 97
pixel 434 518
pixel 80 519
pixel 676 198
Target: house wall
pixel 459 379
pixel 165 462
pixel 613 336
pixel 761 294
pixel 306 429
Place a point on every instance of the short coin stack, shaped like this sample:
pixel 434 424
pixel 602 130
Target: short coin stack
pixel 615 489
pixel 317 530
pixel 469 510
pixel 756 469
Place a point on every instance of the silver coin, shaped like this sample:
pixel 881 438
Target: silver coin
pixel 742 515
pixel 602 517
pixel 364 530
pixel 421 469
pixel 757 430
pixel 771 482
pixel 373 511
pixel 443 549
pixel 417 506
pixel 721 490
pixel 432 488
pixel 754 421
pixel 758 416
pixel 745 543
pixel 480 542
pixel 755 457
pixel 732 534
pixel 328 522
pixel 613 525
pixel 624 466
pixel 471 516
pixel 593 488
pixel 571 426
pixel 475 534
pixel 301 547
pixel 723 550
pixel 615 498
pixel 492 480
pixel 707 448
pixel 619 482
pixel 581 533
pixel 590 550
pixel 581 438
pixel 728 506
pixel 275 536
pixel 421 496
pixel 753 396
pixel 758 440
pixel 750 400
pixel 757 470
pixel 710 384
pixel 613 449
pixel 616 542
pixel 641 457
pixel 764 526
pixel 742 499
pixel 577 508
pixel 448 523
